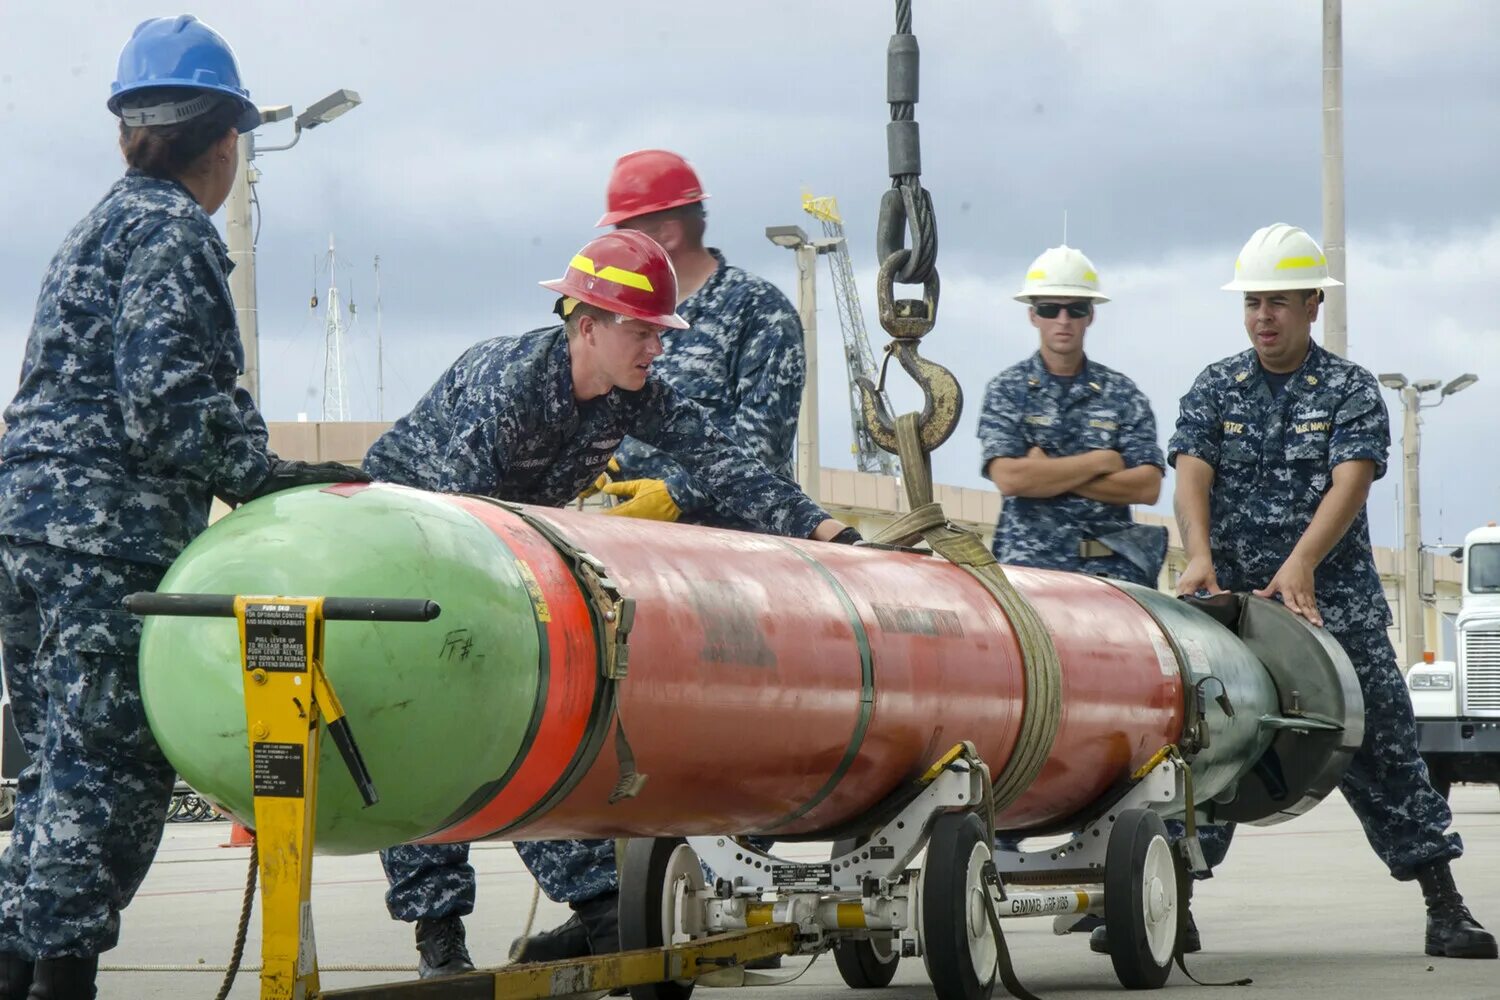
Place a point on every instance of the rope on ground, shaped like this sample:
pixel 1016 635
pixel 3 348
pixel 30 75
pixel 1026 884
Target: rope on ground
pixel 238 951
pixel 520 955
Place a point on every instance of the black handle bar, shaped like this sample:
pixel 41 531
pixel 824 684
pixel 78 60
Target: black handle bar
pixel 349 609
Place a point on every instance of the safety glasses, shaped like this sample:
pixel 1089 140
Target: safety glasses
pixel 1076 310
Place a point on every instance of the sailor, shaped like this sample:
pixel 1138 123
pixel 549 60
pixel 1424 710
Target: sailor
pixel 126 425
pixel 535 419
pixel 1275 450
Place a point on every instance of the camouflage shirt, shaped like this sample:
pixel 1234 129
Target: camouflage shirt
pixel 743 361
pixel 503 422
pixel 1273 459
pixel 128 421
pixel 1025 407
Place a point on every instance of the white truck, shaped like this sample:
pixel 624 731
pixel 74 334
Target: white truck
pixel 1457 702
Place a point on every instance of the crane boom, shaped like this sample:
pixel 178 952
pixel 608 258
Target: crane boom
pixel 859 360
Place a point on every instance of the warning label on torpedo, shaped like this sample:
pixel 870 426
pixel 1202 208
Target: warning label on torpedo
pixel 277 769
pixel 275 637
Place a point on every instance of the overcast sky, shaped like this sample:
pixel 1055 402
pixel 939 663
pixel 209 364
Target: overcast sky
pixel 1168 131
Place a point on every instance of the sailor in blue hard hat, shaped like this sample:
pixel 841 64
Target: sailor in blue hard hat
pixel 127 423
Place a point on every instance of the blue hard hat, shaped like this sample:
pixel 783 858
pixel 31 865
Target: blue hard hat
pixel 183 52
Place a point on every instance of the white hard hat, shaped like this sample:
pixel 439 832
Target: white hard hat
pixel 1281 258
pixel 1064 272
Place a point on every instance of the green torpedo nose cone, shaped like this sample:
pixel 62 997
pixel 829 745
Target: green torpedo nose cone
pixel 439 709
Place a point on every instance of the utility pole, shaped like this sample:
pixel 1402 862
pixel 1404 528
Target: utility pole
pixel 1412 630
pixel 809 464
pixel 1335 300
pixel 240 237
pixel 1412 633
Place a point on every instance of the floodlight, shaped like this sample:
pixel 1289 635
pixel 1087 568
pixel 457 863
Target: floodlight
pixel 324 111
pixel 790 237
pixel 1460 384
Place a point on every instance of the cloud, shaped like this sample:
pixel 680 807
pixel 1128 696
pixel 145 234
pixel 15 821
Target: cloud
pixel 1167 130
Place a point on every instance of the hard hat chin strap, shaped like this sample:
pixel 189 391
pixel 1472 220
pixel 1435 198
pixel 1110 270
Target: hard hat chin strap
pixel 169 113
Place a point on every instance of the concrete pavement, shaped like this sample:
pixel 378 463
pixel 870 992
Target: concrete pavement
pixel 1304 909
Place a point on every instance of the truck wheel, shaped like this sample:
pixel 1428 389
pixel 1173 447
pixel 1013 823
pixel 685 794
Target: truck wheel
pixel 7 807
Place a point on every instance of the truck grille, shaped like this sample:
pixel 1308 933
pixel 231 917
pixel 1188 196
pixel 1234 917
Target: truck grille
pixel 1481 673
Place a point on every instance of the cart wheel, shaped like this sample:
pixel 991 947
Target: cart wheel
pixel 1142 900
pixel 958 946
pixel 867 964
pixel 657 879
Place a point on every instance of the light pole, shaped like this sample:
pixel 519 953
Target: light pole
pixel 1411 506
pixel 794 238
pixel 238 223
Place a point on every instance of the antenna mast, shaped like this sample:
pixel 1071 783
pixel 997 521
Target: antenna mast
pixel 335 392
pixel 379 350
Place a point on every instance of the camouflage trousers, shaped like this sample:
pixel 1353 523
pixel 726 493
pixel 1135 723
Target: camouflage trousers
pixel 91 804
pixel 1387 784
pixel 571 871
pixel 427 881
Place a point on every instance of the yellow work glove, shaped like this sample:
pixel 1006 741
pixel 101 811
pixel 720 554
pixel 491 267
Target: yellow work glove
pixel 598 485
pixel 646 498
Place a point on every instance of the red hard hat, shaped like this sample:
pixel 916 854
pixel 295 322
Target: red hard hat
pixel 649 180
pixel 626 272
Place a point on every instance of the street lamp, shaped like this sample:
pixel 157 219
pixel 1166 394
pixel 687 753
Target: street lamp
pixel 1411 507
pixel 795 238
pixel 238 223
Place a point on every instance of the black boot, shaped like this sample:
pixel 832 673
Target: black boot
pixel 1190 943
pixel 15 976
pixel 67 978
pixel 567 940
pixel 440 943
pixel 1452 931
pixel 601 919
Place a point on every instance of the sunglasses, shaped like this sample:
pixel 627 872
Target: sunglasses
pixel 1076 310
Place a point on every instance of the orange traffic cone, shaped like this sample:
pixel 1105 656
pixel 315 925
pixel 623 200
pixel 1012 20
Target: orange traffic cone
pixel 240 836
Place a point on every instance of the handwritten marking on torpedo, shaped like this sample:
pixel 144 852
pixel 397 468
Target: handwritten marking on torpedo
pixel 457 644
pixel 534 590
pixel 918 621
pixel 731 633
pixel 275 637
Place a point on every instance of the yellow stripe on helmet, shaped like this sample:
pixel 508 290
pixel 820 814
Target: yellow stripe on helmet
pixel 620 276
pixel 1289 263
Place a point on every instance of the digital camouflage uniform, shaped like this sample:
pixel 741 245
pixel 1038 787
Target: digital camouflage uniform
pixel 1025 406
pixel 126 424
pixel 1273 460
pixel 503 422
pixel 743 360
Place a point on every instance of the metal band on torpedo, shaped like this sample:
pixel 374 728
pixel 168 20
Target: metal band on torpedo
pixel 866 696
pixel 611 636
